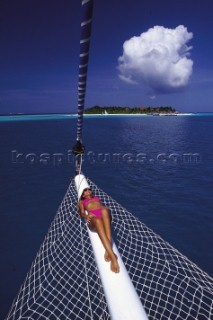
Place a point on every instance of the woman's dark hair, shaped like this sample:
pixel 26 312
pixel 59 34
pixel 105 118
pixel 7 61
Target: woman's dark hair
pixel 82 195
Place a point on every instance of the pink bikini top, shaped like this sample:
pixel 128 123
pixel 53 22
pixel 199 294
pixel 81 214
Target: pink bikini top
pixel 86 200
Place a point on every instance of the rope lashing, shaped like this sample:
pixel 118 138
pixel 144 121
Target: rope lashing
pixel 78 151
pixel 78 148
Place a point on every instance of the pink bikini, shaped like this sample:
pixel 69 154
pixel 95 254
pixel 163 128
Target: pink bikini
pixel 96 212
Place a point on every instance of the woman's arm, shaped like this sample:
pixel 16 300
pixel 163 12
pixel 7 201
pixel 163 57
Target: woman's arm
pixel 83 214
pixel 81 209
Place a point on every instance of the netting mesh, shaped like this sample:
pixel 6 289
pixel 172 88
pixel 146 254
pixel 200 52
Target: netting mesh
pixel 63 282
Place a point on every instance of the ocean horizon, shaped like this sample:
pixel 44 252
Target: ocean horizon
pixel 62 116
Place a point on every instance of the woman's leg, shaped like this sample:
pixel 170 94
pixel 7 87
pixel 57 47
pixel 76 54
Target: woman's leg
pixel 107 227
pixel 99 226
pixel 106 216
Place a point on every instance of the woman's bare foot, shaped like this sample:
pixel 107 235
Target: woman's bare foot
pixel 114 264
pixel 107 257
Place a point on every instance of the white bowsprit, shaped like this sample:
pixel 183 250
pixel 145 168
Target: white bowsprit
pixel 122 299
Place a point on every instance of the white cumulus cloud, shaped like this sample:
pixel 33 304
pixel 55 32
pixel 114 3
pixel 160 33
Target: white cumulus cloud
pixel 158 58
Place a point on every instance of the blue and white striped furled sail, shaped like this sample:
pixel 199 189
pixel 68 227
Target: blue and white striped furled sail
pixel 86 24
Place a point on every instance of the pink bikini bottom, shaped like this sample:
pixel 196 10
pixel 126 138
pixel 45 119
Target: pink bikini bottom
pixel 97 212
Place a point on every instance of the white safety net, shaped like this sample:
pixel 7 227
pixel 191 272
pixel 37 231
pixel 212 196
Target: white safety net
pixel 64 283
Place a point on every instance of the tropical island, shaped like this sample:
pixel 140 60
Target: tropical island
pixel 127 110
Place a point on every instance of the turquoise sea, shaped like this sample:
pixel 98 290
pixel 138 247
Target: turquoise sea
pixel 160 168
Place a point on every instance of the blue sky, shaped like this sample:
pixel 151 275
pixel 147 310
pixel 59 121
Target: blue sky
pixel 40 47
